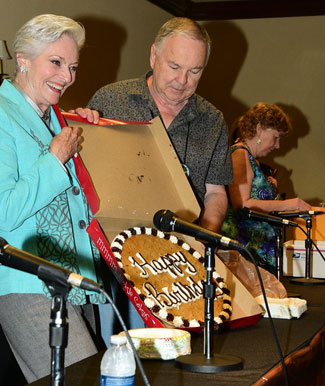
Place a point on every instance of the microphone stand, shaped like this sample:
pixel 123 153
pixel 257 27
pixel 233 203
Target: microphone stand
pixel 278 258
pixel 58 328
pixel 308 246
pixel 278 251
pixel 208 362
pixel 58 334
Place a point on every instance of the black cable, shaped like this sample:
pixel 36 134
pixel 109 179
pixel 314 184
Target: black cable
pixel 143 374
pixel 248 254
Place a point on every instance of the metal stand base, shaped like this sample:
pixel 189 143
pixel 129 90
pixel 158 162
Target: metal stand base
pixel 308 281
pixel 208 362
pixel 199 363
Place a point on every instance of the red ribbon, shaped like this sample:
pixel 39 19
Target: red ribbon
pixel 98 237
pixel 102 121
pixel 81 171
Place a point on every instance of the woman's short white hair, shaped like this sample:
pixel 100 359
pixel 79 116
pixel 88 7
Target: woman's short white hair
pixel 33 36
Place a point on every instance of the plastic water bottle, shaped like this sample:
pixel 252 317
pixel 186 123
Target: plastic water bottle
pixel 118 365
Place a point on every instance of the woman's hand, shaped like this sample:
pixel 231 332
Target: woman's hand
pixel 273 181
pixel 296 204
pixel 92 116
pixel 66 143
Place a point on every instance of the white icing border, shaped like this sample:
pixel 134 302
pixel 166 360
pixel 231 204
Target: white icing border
pixel 178 320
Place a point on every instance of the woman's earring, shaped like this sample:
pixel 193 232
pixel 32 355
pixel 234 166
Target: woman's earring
pixel 22 69
pixel 259 141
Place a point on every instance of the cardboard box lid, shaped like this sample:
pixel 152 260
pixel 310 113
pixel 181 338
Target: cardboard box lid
pixel 136 172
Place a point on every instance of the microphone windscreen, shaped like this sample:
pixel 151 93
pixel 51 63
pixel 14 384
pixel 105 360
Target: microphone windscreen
pixel 242 214
pixel 162 220
pixel 3 242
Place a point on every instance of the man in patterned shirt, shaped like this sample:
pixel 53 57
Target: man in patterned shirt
pixel 195 127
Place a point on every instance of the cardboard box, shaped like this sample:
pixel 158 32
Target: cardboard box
pixel 136 172
pixel 294 259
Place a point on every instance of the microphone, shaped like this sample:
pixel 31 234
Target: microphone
pixel 45 270
pixel 297 213
pixel 247 214
pixel 167 221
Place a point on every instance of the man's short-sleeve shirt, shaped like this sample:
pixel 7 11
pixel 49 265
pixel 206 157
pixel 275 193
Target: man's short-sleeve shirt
pixel 198 133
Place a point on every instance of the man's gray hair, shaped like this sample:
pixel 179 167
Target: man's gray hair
pixel 33 36
pixel 183 26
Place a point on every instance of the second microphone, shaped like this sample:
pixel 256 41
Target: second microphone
pixel 167 221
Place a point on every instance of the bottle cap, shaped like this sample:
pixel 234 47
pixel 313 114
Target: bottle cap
pixel 118 339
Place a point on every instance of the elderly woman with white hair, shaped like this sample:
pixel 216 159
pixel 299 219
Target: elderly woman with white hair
pixel 43 209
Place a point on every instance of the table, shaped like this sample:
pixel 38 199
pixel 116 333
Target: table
pixel 254 344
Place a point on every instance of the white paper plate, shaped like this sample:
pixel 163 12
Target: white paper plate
pixel 285 308
pixel 161 343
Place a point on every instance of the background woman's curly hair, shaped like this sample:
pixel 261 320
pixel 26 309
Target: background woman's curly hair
pixel 268 116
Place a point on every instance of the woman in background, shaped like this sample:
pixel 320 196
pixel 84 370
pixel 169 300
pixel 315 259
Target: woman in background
pixel 259 130
pixel 43 209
